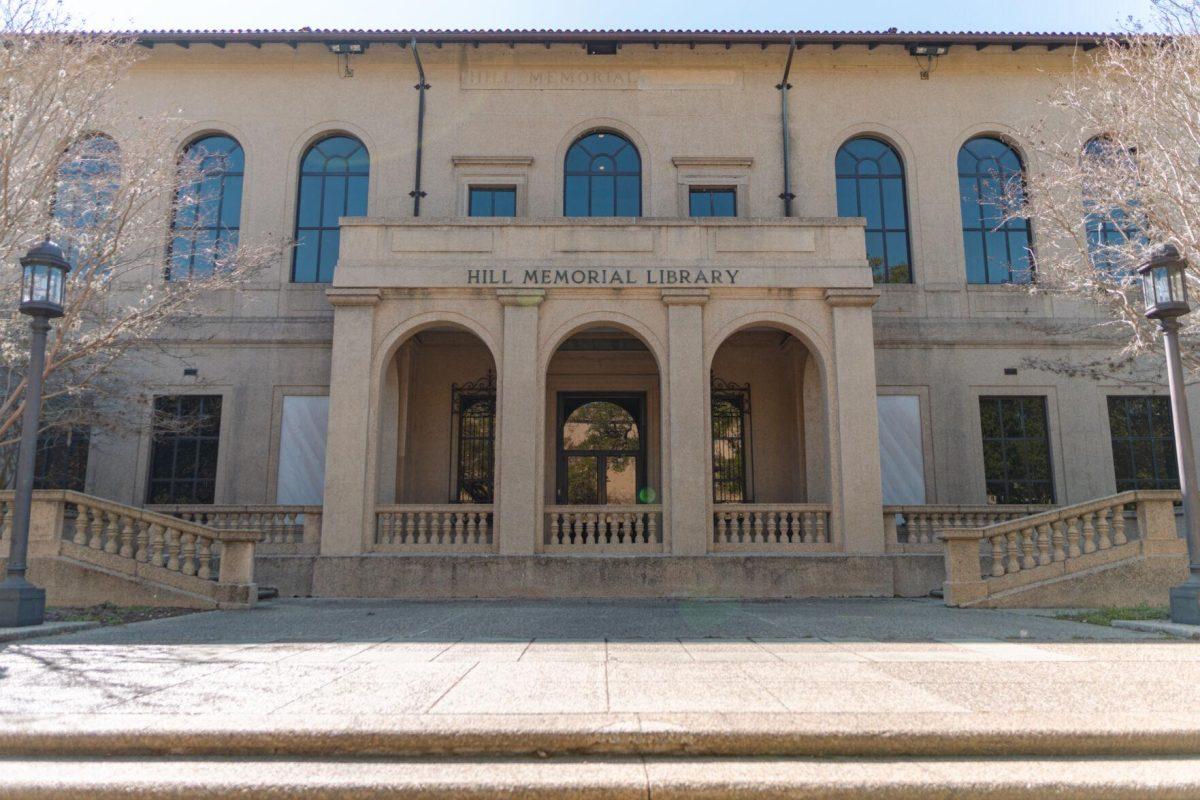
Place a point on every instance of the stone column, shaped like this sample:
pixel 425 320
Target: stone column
pixel 688 483
pixel 856 490
pixel 520 420
pixel 349 491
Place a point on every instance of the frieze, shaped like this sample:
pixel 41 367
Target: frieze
pixel 564 78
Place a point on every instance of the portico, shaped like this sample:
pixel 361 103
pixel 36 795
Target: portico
pixel 584 358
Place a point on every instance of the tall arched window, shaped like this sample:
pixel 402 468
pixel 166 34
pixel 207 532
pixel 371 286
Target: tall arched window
pixel 991 185
pixel 86 189
pixel 333 184
pixel 208 206
pixel 870 183
pixel 602 177
pixel 1108 172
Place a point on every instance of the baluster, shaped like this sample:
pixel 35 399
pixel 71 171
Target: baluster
pixel 639 528
pixel 419 538
pixel 1073 549
pixel 555 535
pixel 1102 540
pixel 126 536
pixel 157 545
pixel 806 527
pixel 1028 538
pixel 720 527
pixel 790 523
pixel 405 527
pixel 204 555
pixel 484 534
pixel 83 526
pixel 187 553
pixel 756 532
pixel 1059 540
pixel 651 527
pixel 1118 528
pixel 1043 541
pixel 772 528
pixel 112 529
pixel 173 549
pixel 821 535
pixel 1013 562
pixel 1089 532
pixel 458 528
pixel 473 527
pixel 142 544
pixel 997 556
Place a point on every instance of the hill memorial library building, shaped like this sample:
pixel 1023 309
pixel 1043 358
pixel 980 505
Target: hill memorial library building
pixel 618 314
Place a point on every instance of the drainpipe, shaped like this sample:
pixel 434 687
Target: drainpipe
pixel 783 87
pixel 416 194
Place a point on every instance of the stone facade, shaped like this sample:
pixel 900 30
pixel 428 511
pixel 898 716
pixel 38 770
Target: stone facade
pixel 653 307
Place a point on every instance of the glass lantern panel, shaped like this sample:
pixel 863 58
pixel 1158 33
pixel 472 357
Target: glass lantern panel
pixel 1162 285
pixel 1178 286
pixel 54 292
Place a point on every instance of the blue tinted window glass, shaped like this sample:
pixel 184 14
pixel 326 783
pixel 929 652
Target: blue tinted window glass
pixel 334 179
pixel 871 184
pixel 208 206
pixel 991 181
pixel 492 201
pixel 1110 226
pixel 602 177
pixel 724 203
pixel 85 191
pixel 504 202
pixel 712 201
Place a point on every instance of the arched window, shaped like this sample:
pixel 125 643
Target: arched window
pixel 870 183
pixel 991 186
pixel 333 184
pixel 208 206
pixel 601 449
pixel 602 177
pixel 88 179
pixel 1107 172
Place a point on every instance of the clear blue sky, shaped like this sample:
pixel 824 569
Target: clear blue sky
pixel 1018 15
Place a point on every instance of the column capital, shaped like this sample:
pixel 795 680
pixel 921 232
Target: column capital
pixel 520 297
pixel 862 298
pixel 341 296
pixel 685 297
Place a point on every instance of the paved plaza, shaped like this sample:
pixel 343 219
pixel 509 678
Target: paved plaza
pixel 357 659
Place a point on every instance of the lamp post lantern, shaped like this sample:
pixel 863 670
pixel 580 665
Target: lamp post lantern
pixel 1164 287
pixel 43 286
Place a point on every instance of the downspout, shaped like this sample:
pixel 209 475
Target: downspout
pixel 783 87
pixel 416 194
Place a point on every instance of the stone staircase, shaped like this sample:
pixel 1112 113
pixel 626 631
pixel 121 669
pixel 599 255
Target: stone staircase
pixel 85 550
pixel 1121 550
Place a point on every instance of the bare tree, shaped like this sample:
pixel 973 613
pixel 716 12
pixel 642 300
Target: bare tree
pixel 124 205
pixel 1115 173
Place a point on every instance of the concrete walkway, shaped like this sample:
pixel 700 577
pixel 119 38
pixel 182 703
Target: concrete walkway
pixel 352 662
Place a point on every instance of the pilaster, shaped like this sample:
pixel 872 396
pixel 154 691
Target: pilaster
pixel 857 493
pixel 349 491
pixel 688 482
pixel 519 414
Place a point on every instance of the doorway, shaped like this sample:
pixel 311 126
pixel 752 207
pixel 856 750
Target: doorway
pixel 600 448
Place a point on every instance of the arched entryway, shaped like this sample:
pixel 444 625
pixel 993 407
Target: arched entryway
pixel 770 456
pixel 437 447
pixel 603 442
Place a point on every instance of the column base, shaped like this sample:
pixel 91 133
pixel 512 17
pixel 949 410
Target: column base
pixel 1185 603
pixel 21 603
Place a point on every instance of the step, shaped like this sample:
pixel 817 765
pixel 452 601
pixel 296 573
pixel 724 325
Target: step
pixel 925 735
pixel 660 778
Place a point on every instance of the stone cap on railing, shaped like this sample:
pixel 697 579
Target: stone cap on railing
pixel 259 508
pixel 142 514
pixel 1060 513
pixel 966 508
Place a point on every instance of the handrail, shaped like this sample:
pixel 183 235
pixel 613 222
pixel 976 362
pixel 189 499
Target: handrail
pixel 1061 513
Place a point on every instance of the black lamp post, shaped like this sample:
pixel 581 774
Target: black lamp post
pixel 1165 289
pixel 43 286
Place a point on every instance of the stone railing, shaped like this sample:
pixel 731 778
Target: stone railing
pixel 286 530
pixel 984 561
pixel 450 528
pixel 771 528
pixel 603 529
pixel 915 528
pixel 142 545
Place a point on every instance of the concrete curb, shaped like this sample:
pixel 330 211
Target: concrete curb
pixel 715 735
pixel 45 629
pixel 1158 626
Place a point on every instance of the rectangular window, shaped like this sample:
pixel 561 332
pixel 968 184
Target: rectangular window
pixel 492 201
pixel 1016 449
pixel 473 406
pixel 901 450
pixel 730 409
pixel 712 201
pixel 301 476
pixel 183 456
pixel 62 458
pixel 1143 443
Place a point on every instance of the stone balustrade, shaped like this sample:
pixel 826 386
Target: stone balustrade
pixel 285 530
pixel 450 528
pixel 603 529
pixel 771 527
pixel 205 562
pixel 915 528
pixel 985 561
